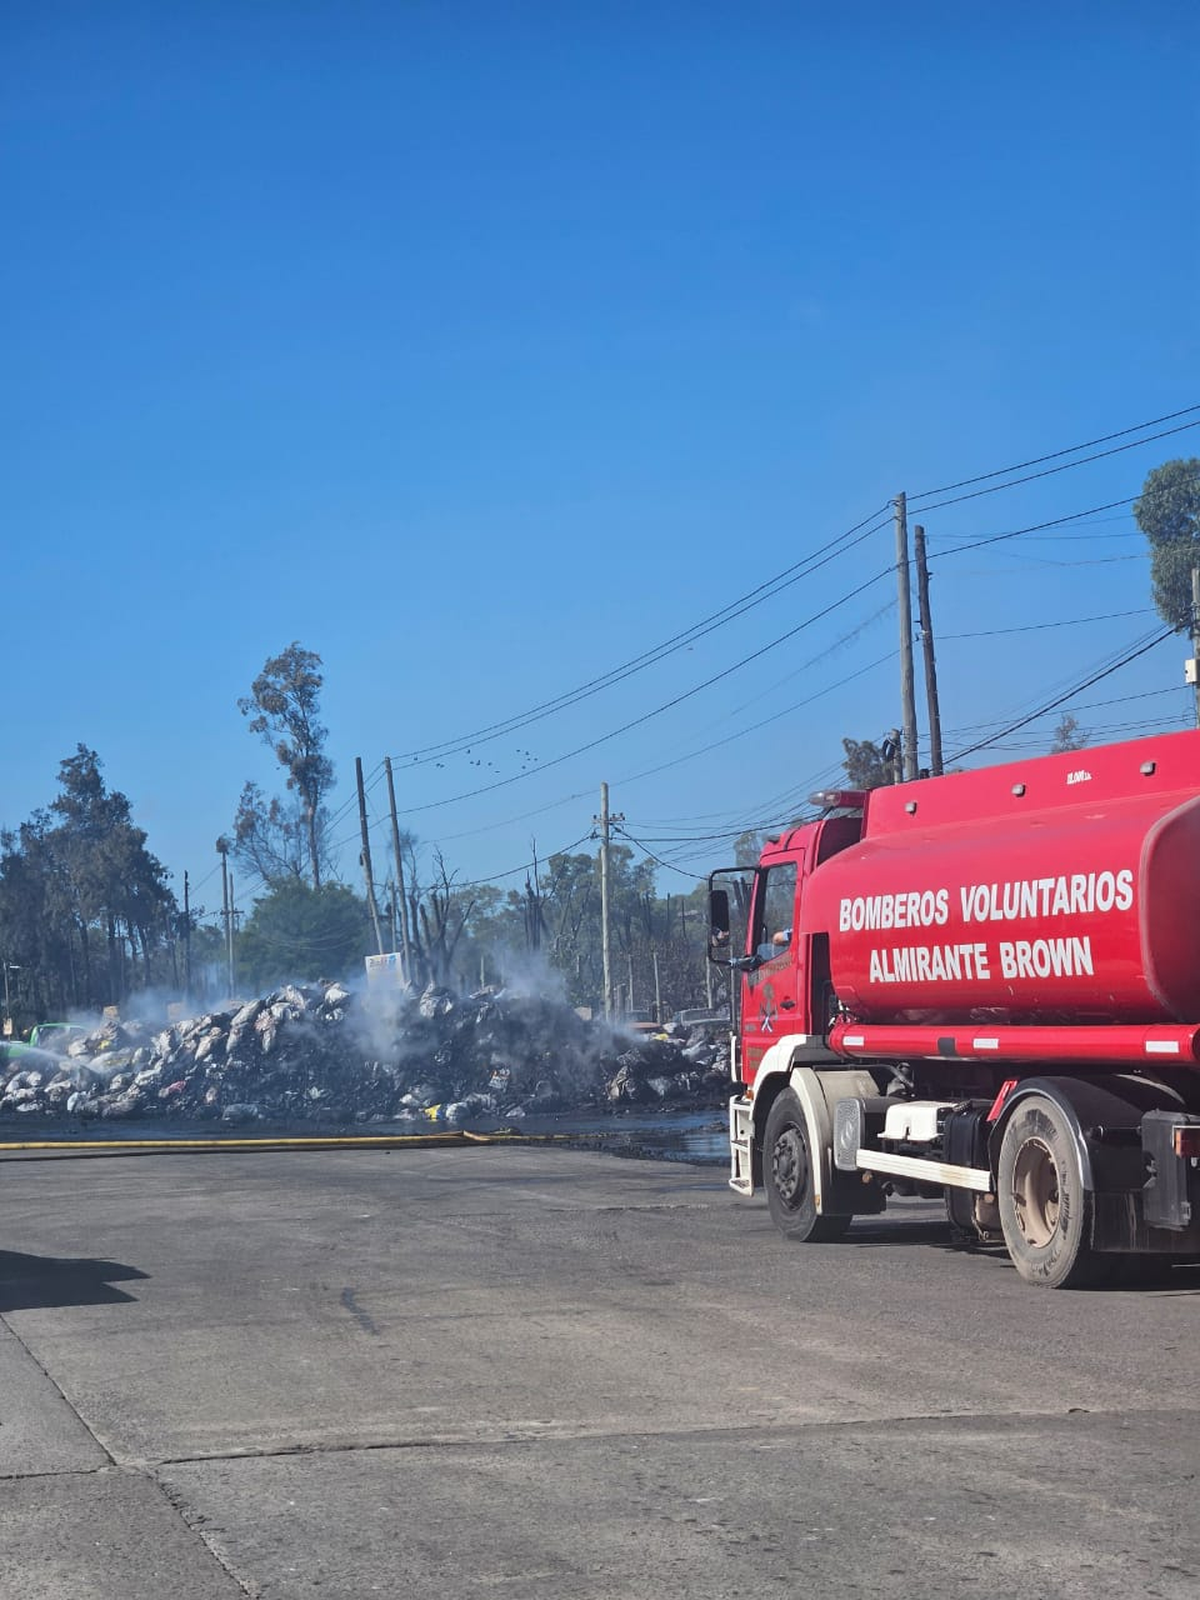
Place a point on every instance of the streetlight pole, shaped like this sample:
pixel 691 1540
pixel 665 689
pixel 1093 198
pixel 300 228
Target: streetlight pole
pixel 9 966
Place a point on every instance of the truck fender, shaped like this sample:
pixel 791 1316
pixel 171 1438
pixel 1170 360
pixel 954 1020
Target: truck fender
pixel 818 1093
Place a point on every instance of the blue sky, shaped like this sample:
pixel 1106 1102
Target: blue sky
pixel 482 348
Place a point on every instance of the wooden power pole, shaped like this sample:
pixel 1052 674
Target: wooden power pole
pixel 926 621
pixel 366 854
pixel 187 941
pixel 227 911
pixel 604 822
pixel 908 701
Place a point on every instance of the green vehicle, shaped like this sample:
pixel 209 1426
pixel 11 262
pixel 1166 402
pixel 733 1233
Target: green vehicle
pixel 56 1036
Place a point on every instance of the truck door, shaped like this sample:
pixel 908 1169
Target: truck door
pixel 771 993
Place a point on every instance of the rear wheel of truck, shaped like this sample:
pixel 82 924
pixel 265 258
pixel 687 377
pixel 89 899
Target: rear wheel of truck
pixel 788 1176
pixel 1045 1210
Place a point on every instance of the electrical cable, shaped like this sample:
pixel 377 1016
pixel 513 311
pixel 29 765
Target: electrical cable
pixel 1041 627
pixel 1036 527
pixel 832 548
pixel 1052 705
pixel 1065 685
pixel 818 558
pixel 736 608
pixel 741 733
pixel 475 883
pixel 1049 472
pixel 625 834
pixel 768 589
pixel 592 744
pixel 1019 466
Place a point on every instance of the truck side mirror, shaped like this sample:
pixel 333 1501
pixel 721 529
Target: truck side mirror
pixel 718 926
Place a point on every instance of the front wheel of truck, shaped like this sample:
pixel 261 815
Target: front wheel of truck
pixel 788 1176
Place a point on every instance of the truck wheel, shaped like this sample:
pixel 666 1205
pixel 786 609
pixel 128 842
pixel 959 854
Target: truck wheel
pixel 788 1176
pixel 1045 1211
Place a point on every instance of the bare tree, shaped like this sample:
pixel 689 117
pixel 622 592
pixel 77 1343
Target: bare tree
pixel 443 917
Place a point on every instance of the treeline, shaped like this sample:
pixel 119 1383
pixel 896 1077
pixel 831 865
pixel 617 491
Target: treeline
pixel 88 919
pixel 86 913
pixel 471 935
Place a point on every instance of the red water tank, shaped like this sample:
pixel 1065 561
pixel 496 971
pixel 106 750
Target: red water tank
pixel 1065 888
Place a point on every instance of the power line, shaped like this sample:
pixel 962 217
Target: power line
pixel 820 658
pixel 1052 705
pixel 507 822
pixel 1034 527
pixel 804 568
pixel 1038 627
pixel 820 557
pixel 699 630
pixel 475 883
pixel 770 588
pixel 1049 472
pixel 741 733
pixel 646 716
pixel 1065 685
pixel 1050 561
pixel 658 860
pixel 1019 466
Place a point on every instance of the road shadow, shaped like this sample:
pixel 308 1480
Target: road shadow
pixel 867 1232
pixel 34 1283
pixel 1161 1276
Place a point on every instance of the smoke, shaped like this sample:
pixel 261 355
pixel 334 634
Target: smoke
pixel 365 1053
pixel 529 975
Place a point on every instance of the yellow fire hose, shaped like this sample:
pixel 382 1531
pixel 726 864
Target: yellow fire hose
pixel 395 1141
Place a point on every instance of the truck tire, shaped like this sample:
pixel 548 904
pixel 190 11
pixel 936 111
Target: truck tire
pixel 788 1176
pixel 1045 1210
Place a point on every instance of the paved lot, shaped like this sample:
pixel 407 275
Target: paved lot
pixel 537 1372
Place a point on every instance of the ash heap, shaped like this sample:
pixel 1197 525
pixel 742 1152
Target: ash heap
pixel 323 1054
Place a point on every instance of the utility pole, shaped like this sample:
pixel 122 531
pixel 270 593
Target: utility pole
pixel 226 912
pixel 1196 638
pixel 9 966
pixel 926 619
pixel 657 991
pixel 629 998
pixel 387 766
pixel 233 916
pixel 187 942
pixel 366 854
pixel 908 700
pixel 604 821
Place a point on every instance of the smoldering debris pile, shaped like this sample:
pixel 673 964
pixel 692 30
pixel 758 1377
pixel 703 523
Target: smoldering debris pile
pixel 322 1054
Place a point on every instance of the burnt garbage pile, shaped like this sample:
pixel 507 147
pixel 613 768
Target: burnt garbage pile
pixel 319 1053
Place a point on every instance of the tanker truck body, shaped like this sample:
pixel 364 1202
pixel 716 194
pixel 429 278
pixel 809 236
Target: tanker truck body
pixel 984 986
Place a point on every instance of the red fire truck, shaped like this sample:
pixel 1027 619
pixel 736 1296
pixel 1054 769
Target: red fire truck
pixel 985 987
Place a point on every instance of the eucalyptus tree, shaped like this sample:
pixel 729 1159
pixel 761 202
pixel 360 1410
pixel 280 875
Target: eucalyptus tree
pixel 1168 513
pixel 284 711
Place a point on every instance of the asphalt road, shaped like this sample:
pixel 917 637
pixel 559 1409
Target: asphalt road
pixel 535 1372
